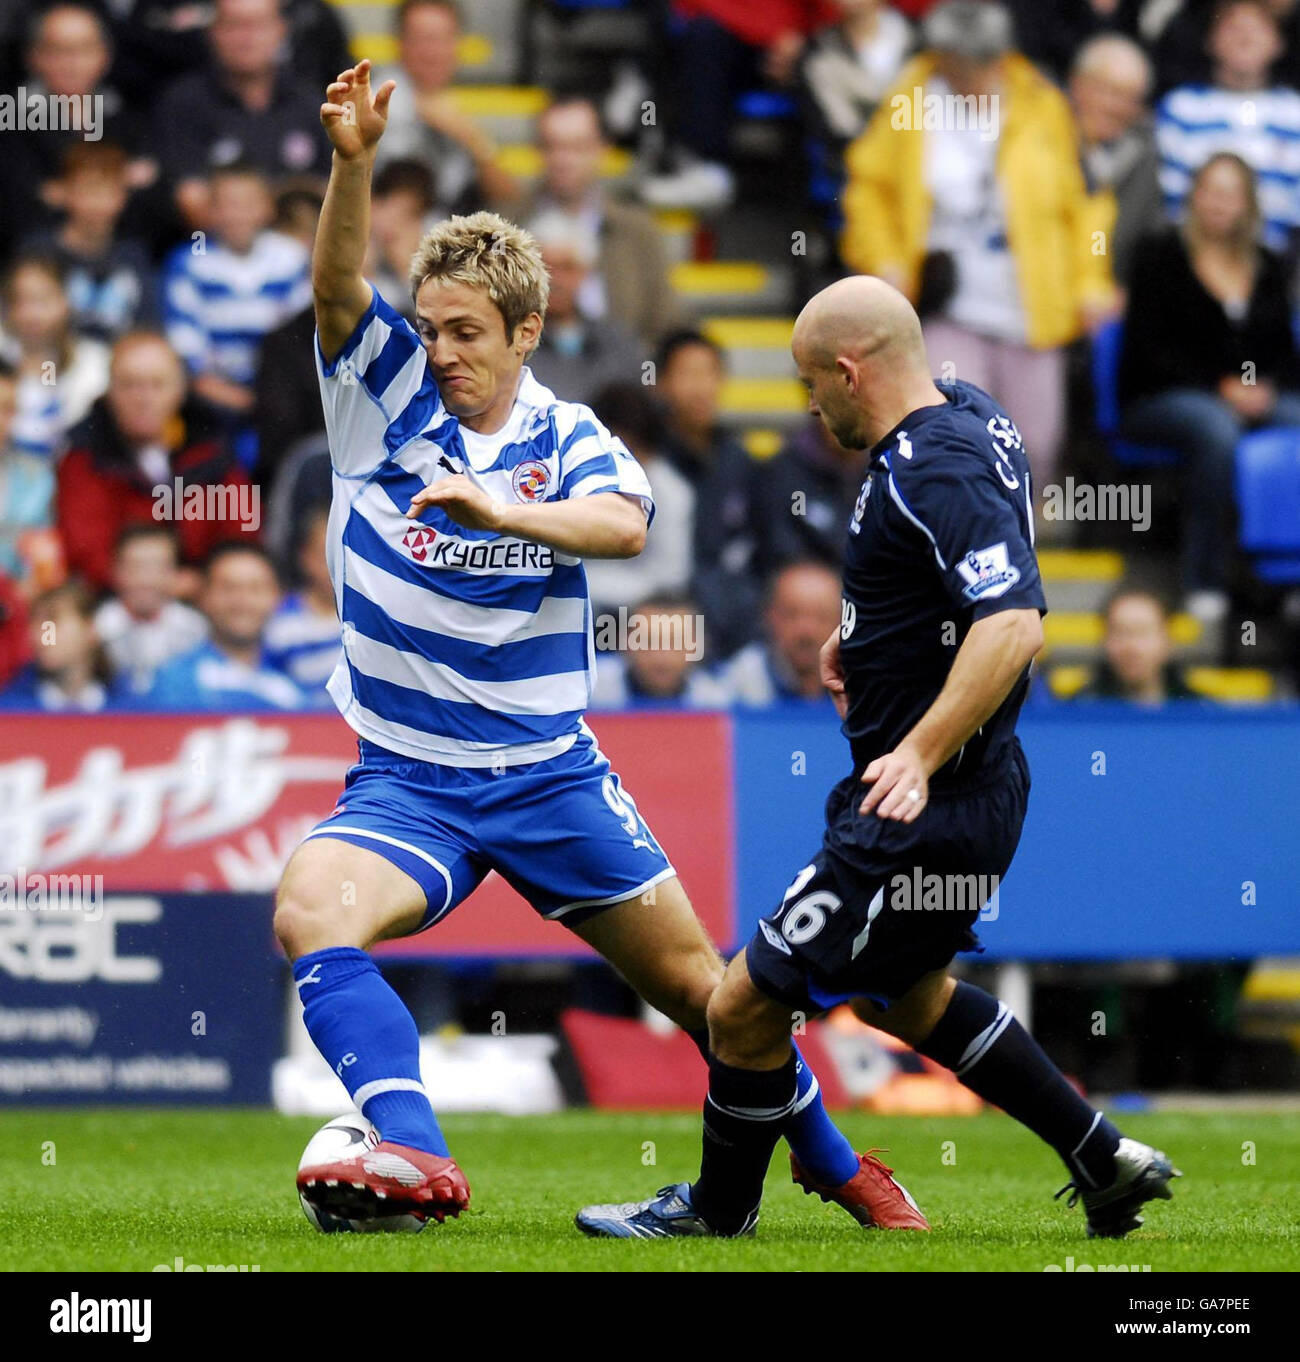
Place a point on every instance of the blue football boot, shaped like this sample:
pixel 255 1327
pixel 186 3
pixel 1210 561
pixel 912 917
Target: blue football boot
pixel 669 1215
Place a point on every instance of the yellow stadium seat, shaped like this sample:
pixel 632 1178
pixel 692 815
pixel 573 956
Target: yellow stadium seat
pixel 1080 565
pixel 1066 681
pixel 718 276
pixel 749 333
pixel 1083 629
pixel 526 161
pixel 784 395
pixel 761 443
pixel 486 101
pixel 1242 685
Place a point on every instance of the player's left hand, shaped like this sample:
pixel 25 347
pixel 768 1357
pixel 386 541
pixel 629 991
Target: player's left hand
pixel 899 786
pixel 464 501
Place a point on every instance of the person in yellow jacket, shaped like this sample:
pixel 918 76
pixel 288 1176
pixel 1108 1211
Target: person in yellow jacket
pixel 966 192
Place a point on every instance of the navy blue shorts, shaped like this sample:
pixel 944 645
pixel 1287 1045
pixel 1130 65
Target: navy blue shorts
pixel 883 903
pixel 563 832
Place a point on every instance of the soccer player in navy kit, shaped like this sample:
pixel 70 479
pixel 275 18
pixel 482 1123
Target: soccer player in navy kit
pixel 941 619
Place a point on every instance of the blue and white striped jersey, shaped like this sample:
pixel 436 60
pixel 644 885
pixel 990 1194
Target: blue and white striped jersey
pixel 218 307
pixel 463 647
pixel 1193 122
pixel 303 645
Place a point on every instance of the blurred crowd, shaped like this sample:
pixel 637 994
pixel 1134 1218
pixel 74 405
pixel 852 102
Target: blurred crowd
pixel 1129 171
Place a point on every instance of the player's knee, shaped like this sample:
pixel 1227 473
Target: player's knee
pixel 726 1035
pixel 301 926
pixel 743 1029
pixel 292 925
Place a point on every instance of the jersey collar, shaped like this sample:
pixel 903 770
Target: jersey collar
pixel 883 449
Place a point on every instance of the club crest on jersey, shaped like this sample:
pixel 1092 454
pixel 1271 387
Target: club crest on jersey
pixel 417 541
pixel 531 481
pixel 988 572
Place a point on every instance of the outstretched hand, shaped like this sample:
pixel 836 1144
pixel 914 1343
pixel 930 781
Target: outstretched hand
pixel 464 501
pixel 353 115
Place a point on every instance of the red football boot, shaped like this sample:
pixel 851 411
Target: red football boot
pixel 390 1179
pixel 871 1196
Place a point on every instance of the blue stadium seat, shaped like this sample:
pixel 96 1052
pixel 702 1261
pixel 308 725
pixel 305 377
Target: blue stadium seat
pixel 1268 501
pixel 1107 346
pixel 825 182
pixel 766 104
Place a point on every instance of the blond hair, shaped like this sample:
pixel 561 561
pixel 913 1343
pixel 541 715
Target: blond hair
pixel 484 251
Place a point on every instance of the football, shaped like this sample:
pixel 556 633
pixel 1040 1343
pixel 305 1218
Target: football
pixel 333 1140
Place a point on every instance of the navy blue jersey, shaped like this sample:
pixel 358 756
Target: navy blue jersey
pixel 942 535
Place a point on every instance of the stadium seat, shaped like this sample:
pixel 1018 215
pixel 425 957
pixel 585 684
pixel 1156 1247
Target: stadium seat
pixel 825 182
pixel 1268 500
pixel 761 442
pixel 1070 629
pixel 1107 346
pixel 1231 685
pixel 766 104
pixel 474 51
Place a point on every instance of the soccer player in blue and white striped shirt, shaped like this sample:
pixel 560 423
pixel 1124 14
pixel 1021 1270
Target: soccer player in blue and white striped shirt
pixel 465 498
pixel 1238 112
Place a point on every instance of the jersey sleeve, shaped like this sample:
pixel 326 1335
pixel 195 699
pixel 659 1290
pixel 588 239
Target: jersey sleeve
pixel 593 459
pixel 977 522
pixel 377 392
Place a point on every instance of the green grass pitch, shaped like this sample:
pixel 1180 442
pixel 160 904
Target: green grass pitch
pixel 129 1189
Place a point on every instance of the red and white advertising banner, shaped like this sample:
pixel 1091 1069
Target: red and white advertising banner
pixel 216 804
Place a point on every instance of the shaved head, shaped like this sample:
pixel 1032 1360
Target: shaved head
pixel 859 350
pixel 860 316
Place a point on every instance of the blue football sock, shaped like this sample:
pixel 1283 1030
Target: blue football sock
pixel 827 1157
pixel 818 1143
pixel 370 1040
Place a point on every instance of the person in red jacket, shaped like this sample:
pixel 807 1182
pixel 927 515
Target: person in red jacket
pixel 15 644
pixel 146 454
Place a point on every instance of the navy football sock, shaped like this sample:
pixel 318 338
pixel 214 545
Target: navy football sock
pixel 819 1145
pixel 986 1047
pixel 743 1115
pixel 370 1040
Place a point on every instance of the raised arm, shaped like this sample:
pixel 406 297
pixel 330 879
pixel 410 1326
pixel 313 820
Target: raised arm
pixel 354 116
